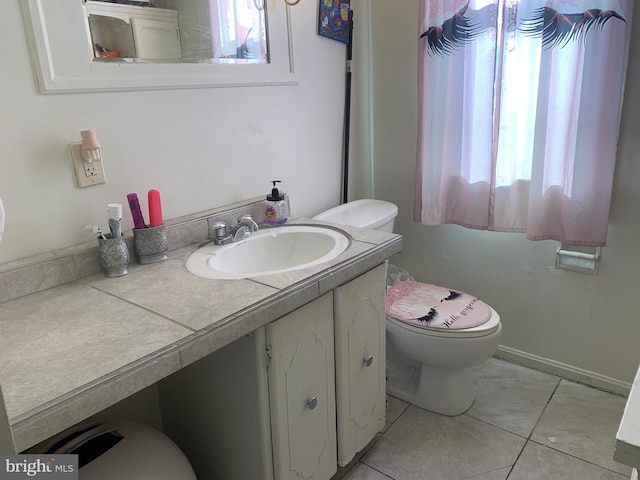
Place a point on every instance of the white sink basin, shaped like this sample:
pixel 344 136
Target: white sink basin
pixel 268 251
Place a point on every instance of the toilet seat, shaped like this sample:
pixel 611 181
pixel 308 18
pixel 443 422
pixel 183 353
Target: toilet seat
pixel 426 305
pixel 487 328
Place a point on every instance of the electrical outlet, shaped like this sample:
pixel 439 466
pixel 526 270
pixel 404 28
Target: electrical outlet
pixel 90 170
pixel 87 174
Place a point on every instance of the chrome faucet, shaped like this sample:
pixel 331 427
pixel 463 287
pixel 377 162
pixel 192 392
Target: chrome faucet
pixel 223 233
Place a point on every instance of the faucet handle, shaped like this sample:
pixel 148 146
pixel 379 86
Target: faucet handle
pixel 248 221
pixel 219 230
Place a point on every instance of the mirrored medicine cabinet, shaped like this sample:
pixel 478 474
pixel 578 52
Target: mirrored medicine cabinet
pixel 92 45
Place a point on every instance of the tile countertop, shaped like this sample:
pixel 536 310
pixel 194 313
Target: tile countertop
pixel 71 351
pixel 628 436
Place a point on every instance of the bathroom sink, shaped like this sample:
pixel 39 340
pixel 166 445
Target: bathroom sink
pixel 268 251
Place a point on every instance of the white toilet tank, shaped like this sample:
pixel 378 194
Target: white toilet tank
pixel 366 213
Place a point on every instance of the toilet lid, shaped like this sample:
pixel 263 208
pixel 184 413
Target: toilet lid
pixel 431 306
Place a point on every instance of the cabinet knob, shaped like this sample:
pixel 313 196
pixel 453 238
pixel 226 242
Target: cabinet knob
pixel 368 360
pixel 312 403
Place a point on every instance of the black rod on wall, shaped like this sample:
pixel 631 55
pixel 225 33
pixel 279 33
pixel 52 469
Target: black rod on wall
pixel 347 114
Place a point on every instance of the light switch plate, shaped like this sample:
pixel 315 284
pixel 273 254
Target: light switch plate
pixel 87 174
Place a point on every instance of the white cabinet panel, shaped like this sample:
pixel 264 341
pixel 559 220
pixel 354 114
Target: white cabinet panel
pixel 156 39
pixel 360 360
pixel 302 392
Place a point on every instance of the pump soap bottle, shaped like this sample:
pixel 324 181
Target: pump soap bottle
pixel 277 210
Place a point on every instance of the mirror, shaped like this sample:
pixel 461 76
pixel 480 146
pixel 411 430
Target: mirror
pixel 177 31
pixel 62 43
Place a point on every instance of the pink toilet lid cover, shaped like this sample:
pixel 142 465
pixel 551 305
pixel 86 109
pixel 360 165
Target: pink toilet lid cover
pixel 432 306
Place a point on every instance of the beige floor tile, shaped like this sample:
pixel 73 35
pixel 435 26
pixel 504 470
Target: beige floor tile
pixel 500 474
pixel 422 445
pixel 510 396
pixel 387 424
pixel 363 472
pixel 583 422
pixel 395 407
pixel 538 462
pixel 483 444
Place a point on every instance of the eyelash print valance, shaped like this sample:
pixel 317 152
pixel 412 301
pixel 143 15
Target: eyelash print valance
pixel 556 28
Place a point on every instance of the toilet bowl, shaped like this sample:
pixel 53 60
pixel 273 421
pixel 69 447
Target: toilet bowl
pixel 427 366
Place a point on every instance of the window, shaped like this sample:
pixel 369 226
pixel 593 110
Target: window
pixel 519 112
pixel 238 30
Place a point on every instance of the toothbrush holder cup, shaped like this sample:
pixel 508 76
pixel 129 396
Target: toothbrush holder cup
pixel 150 244
pixel 113 256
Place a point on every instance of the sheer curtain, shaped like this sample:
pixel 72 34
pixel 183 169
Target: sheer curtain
pixel 519 109
pixel 238 30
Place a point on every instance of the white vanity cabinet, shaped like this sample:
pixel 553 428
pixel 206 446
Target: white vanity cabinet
pixel 291 400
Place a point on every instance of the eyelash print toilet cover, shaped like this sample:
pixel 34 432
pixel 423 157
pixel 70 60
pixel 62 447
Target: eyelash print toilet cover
pixel 432 306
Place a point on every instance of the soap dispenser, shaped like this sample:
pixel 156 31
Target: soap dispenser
pixel 277 210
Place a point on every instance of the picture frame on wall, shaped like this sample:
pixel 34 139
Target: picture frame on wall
pixel 333 19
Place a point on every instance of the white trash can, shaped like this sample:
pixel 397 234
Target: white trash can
pixel 123 451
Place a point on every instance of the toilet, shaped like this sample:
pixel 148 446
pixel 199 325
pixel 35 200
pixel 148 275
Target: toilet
pixel 428 364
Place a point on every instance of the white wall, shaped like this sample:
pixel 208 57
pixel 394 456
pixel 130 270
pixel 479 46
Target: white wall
pixel 589 322
pixel 361 141
pixel 202 148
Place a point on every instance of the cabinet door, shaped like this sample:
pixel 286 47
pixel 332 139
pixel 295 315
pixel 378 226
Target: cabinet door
pixel 156 39
pixel 302 392
pixel 360 361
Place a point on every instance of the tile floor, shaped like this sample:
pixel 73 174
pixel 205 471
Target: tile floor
pixel 523 425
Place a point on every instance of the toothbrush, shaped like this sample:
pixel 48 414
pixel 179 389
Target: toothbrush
pixel 95 230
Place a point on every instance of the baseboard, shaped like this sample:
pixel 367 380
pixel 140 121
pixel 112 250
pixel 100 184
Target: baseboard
pixel 564 370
